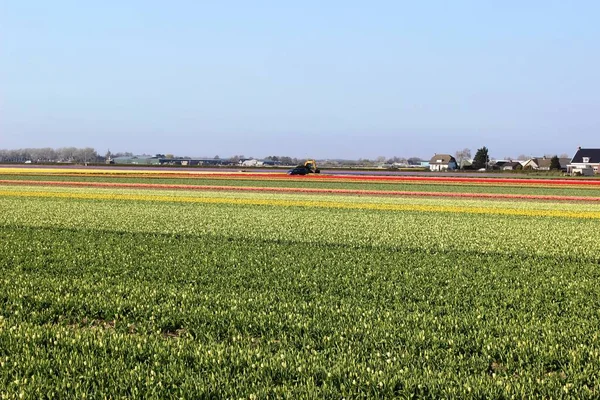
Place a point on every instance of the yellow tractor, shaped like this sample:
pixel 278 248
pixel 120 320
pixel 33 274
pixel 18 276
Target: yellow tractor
pixel 311 166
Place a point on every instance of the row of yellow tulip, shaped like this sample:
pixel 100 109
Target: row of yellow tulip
pixel 425 205
pixel 154 193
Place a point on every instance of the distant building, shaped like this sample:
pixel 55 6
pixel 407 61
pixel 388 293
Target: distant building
pixel 142 160
pixel 585 162
pixel 252 163
pixel 498 164
pixel 507 165
pixel 512 166
pixel 532 163
pixel 442 162
pixel 467 163
pixel 175 161
pixel 270 163
pixel 191 162
pixel 543 163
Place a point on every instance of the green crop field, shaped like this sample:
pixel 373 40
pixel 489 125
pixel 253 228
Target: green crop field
pixel 157 293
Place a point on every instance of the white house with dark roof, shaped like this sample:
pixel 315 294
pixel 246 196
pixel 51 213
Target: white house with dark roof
pixel 442 162
pixel 585 162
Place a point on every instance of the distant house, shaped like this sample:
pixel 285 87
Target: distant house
pixel 510 166
pixel 564 163
pixel 498 164
pixel 585 161
pixel 543 163
pixel 534 163
pixel 442 162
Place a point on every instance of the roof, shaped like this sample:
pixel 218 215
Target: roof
pixel 442 159
pixel 140 157
pixel 564 162
pixel 592 154
pixel 192 159
pixel 513 164
pixel 545 162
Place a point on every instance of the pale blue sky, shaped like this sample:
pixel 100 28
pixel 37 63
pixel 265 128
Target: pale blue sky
pixel 338 79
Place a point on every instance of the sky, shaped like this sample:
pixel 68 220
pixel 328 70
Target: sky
pixel 318 79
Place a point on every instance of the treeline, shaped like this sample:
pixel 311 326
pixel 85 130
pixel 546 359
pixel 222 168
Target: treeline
pixel 50 155
pixel 284 160
pixel 361 162
pixel 90 155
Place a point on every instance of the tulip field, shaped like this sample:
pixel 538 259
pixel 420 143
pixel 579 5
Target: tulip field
pixel 171 284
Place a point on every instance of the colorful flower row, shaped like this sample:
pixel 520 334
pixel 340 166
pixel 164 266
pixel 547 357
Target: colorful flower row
pixel 304 190
pixel 278 176
pixel 309 203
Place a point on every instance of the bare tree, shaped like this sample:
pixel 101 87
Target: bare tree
pixel 67 154
pixel 47 154
pixel 122 154
pixel 85 155
pixel 461 156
